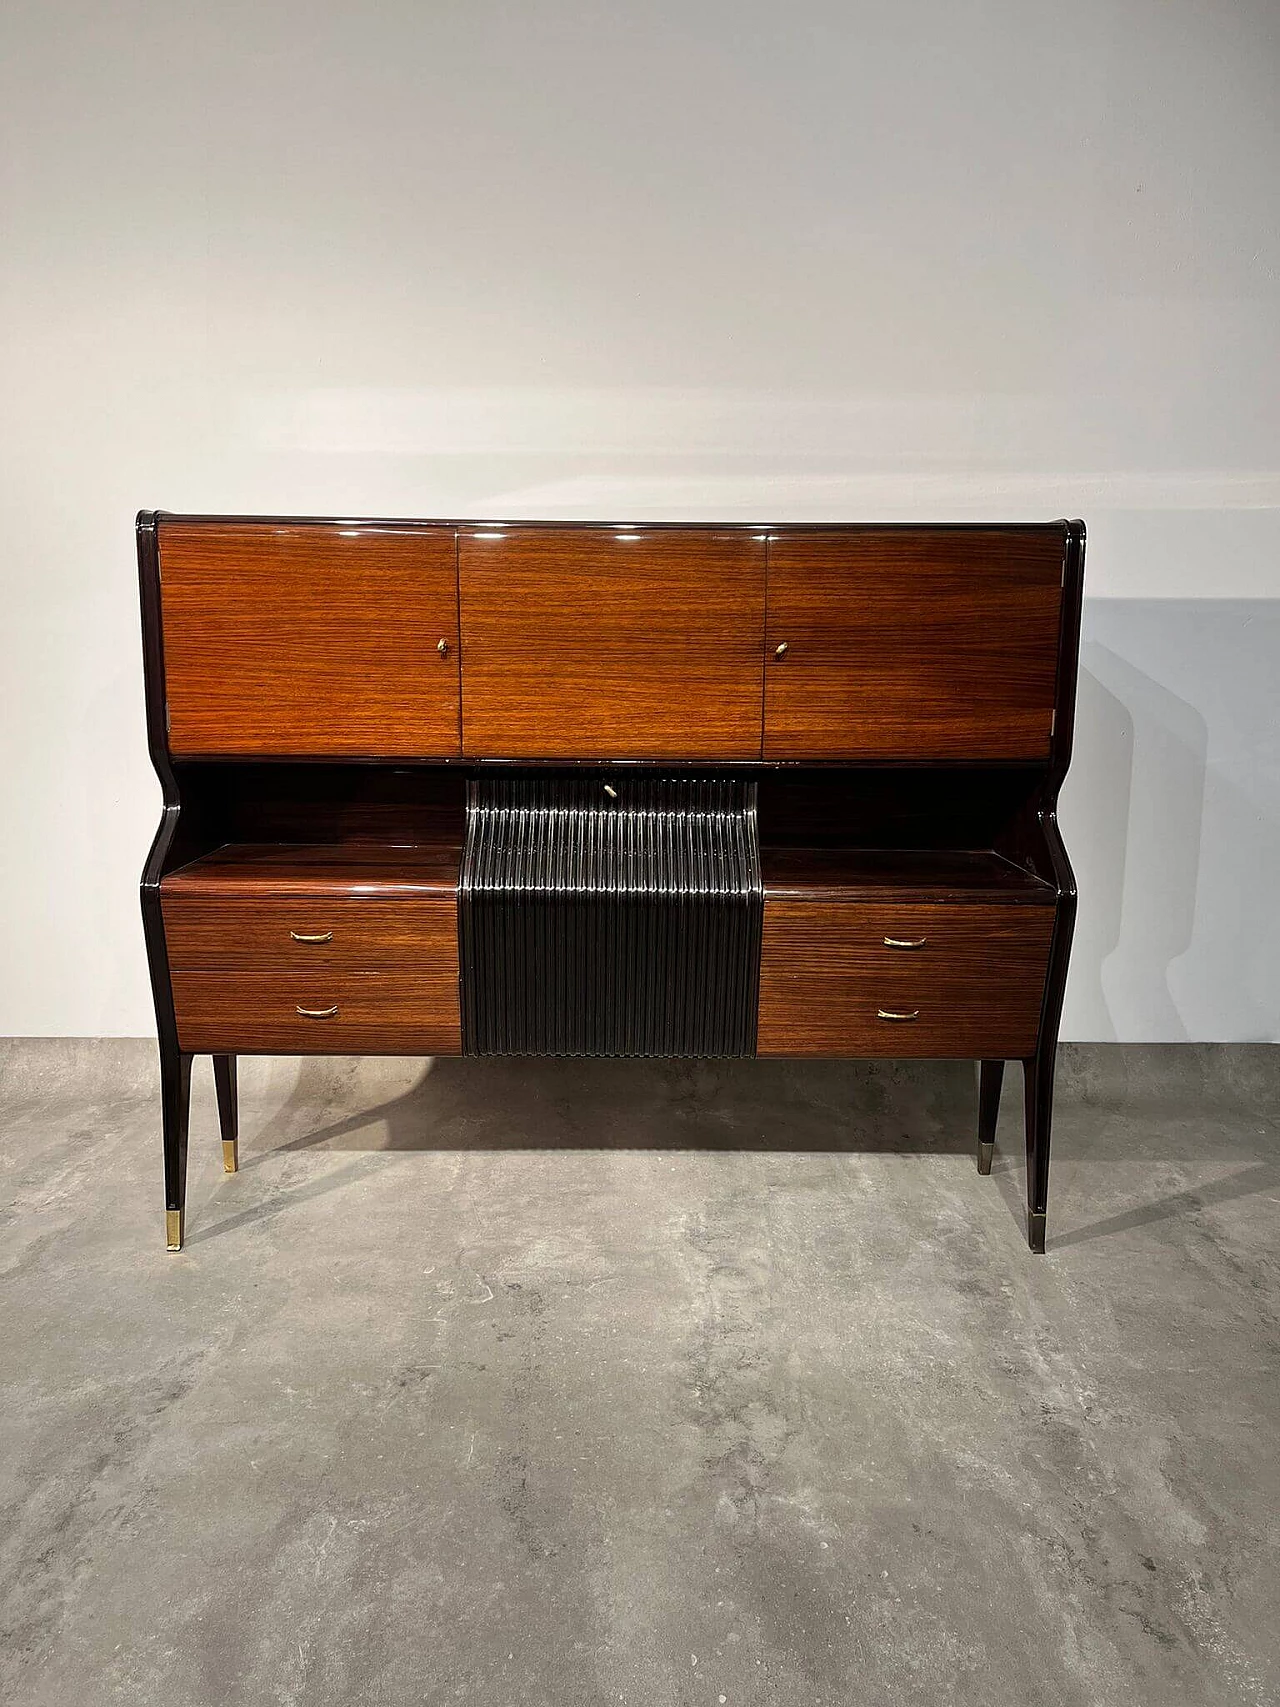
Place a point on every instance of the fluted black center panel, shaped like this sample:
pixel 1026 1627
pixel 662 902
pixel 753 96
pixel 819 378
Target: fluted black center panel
pixel 612 914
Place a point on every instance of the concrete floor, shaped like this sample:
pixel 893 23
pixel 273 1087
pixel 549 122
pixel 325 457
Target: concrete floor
pixel 559 1383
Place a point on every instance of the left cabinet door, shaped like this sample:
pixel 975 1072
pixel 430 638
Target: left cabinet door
pixel 308 640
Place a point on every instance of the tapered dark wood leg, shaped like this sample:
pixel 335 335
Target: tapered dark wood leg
pixel 224 1078
pixel 990 1079
pixel 175 1096
pixel 1038 1079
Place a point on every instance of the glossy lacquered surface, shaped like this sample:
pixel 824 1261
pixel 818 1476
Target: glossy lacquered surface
pixel 326 870
pixel 895 874
pixel 309 640
pixel 622 644
pixel 967 979
pixel 913 644
pixel 321 1013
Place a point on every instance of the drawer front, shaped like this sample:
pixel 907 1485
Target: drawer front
pixel 626 643
pixel 973 979
pixel 288 933
pixel 310 640
pixel 320 1013
pixel 912 643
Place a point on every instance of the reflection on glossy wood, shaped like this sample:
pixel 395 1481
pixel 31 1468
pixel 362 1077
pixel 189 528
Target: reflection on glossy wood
pixel 334 871
pixel 611 643
pixel 913 643
pixel 889 874
pixel 976 983
pixel 309 640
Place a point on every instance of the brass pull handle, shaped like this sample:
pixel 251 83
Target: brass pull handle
pixel 319 1013
pixel 319 936
pixel 884 1013
pixel 442 647
pixel 780 650
pixel 905 942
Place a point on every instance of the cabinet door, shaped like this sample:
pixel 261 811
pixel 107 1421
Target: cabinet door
pixel 626 643
pixel 912 643
pixel 310 639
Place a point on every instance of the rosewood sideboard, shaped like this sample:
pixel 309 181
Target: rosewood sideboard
pixel 594 789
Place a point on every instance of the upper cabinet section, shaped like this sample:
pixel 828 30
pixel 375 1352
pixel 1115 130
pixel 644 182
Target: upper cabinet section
pixel 529 641
pixel 603 643
pixel 310 639
pixel 906 643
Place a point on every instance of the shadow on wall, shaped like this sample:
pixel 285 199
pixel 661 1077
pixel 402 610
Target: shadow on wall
pixel 1172 816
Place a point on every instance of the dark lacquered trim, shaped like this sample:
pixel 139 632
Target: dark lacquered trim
pixel 1063 737
pixel 1059 762
pixel 1038 1069
pixel 175 1065
pixel 158 858
pixel 469 763
pixel 376 523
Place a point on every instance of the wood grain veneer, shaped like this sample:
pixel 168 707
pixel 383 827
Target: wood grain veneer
pixel 913 643
pixel 261 932
pixel 977 982
pixel 611 644
pixel 379 1013
pixel 311 640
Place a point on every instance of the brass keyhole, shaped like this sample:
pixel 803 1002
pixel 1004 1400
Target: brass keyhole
pixel 442 647
pixel 780 651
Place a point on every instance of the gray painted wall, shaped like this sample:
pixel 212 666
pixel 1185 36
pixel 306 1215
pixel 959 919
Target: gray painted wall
pixel 1170 813
pixel 996 258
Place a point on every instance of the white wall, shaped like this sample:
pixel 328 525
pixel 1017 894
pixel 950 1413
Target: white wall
pixel 959 259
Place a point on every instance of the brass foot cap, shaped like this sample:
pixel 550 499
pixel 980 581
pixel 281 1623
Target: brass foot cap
pixel 985 1153
pixel 173 1229
pixel 230 1156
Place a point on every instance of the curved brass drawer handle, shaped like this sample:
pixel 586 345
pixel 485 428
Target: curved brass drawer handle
pixel 905 942
pixel 319 936
pixel 319 1013
pixel 884 1013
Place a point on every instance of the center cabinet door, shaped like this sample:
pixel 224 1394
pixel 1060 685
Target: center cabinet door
pixel 310 639
pixel 913 643
pixel 603 643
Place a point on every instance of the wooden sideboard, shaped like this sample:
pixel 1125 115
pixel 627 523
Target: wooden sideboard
pixel 554 788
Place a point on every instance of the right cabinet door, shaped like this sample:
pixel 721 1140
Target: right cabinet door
pixel 912 643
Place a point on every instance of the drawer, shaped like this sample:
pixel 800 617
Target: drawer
pixel 278 933
pixel 320 1013
pixel 971 976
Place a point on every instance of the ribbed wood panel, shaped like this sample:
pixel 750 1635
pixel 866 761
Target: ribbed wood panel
pixel 610 923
